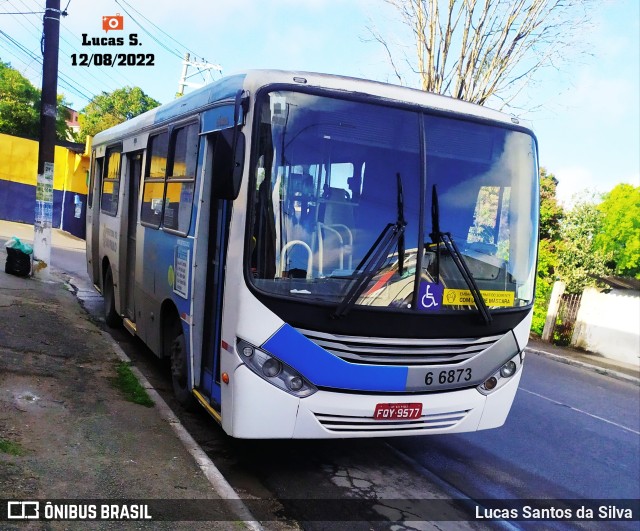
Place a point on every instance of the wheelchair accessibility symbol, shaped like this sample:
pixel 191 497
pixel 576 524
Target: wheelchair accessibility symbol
pixel 430 296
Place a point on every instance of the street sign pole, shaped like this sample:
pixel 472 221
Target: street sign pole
pixel 46 148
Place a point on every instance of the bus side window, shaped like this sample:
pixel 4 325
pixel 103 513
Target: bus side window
pixel 111 184
pixel 154 175
pixel 94 176
pixel 181 180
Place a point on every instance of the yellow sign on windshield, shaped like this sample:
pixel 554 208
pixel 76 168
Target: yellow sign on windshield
pixel 463 297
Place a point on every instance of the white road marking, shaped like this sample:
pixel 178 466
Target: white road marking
pixel 625 428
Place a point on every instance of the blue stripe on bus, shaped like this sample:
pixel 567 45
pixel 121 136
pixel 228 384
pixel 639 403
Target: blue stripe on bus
pixel 326 370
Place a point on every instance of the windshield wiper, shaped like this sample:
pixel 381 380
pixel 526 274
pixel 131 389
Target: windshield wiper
pixel 447 240
pixel 400 222
pixel 377 255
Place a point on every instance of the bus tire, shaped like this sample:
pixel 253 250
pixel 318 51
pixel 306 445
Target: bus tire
pixel 111 317
pixel 180 370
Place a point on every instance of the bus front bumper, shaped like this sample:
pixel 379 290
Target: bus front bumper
pixel 264 411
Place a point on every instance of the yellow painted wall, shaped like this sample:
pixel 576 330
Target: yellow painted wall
pixel 19 164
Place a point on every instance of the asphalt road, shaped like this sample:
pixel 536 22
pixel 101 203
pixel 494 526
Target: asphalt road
pixel 572 434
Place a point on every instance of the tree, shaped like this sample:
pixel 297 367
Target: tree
pixel 108 109
pixel 20 106
pixel 580 258
pixel 551 215
pixel 474 50
pixel 550 211
pixel 546 276
pixel 620 228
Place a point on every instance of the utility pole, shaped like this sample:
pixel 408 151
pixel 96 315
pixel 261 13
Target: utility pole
pixel 201 66
pixel 183 77
pixel 46 148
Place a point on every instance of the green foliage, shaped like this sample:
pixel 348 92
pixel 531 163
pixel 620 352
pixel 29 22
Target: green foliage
pixel 62 129
pixel 551 212
pixel 620 228
pixel 546 276
pixel 20 106
pixel 562 332
pixel 10 447
pixel 583 242
pixel 127 382
pixel 109 109
pixel 580 257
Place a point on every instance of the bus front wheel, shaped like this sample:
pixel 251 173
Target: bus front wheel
pixel 110 315
pixel 180 371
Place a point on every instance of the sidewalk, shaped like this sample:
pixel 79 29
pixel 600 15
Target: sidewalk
pixel 66 430
pixel 579 358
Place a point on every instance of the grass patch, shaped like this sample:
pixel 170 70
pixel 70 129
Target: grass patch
pixel 128 384
pixel 10 447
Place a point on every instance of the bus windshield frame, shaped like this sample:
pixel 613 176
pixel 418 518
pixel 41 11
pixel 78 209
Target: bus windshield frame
pixel 324 184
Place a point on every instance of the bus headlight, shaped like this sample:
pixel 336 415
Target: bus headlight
pixel 295 383
pixel 508 369
pixel 271 368
pixel 496 380
pixel 274 371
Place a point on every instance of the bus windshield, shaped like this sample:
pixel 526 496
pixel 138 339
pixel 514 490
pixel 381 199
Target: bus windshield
pixel 326 184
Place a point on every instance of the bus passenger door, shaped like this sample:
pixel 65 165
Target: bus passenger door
pixel 216 232
pixel 221 175
pixel 216 255
pixel 93 219
pixel 135 171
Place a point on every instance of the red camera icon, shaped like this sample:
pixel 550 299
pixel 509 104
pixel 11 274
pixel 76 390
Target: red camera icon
pixel 115 22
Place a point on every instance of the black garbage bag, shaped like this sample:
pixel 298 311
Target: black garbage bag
pixel 18 263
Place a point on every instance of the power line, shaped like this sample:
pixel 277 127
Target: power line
pixel 173 52
pixel 207 66
pixel 37 36
pixel 177 53
pixel 72 85
pixel 23 13
pixel 156 26
pixel 37 72
pixel 86 49
pixel 97 79
pixel 73 48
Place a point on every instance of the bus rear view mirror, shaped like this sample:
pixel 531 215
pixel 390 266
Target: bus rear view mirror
pixel 226 170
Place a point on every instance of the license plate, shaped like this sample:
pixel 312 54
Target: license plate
pixel 398 411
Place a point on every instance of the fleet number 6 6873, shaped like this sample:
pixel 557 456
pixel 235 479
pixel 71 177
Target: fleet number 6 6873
pixel 448 376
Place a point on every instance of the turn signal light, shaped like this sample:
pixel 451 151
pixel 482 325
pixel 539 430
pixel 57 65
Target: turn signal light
pixel 491 383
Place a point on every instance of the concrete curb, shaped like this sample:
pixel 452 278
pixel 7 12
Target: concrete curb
pixel 211 472
pixel 577 363
pixel 215 477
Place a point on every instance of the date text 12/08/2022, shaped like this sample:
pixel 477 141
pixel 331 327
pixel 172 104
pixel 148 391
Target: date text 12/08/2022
pixel 116 59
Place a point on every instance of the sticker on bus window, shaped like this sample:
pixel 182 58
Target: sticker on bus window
pixel 181 269
pixel 463 297
pixel 430 296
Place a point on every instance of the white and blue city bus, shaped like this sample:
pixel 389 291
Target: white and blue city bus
pixel 321 256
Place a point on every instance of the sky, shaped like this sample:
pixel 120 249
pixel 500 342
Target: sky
pixel 587 116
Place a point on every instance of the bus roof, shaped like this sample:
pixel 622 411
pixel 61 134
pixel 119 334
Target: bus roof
pixel 227 87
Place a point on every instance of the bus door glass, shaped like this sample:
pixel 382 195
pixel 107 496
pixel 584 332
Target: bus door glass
pixel 93 217
pixel 216 233
pixel 134 171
